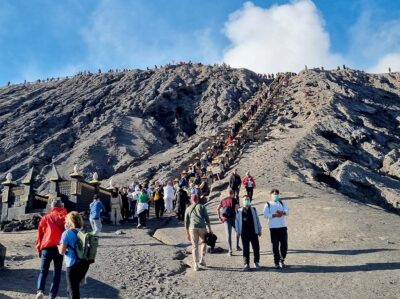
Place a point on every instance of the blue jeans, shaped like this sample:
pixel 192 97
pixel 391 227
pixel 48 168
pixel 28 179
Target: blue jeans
pixel 50 254
pixel 228 231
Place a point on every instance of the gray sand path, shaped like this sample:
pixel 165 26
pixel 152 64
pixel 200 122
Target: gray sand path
pixel 337 248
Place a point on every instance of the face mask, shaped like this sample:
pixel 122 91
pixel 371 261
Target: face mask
pixel 246 202
pixel 276 197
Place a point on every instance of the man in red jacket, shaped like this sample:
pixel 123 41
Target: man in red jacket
pixel 50 229
pixel 249 184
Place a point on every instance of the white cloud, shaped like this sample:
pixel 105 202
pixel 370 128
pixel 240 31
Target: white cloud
pixel 391 60
pixel 375 42
pixel 131 34
pixel 279 38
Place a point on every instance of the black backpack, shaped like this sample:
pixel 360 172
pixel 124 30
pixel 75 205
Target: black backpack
pixel 211 239
pixel 228 212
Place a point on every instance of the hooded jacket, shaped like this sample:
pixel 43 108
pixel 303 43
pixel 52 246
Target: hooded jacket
pixel 50 229
pixel 249 179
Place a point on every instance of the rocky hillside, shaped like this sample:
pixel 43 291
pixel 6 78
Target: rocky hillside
pixel 150 123
pixel 112 122
pixel 351 139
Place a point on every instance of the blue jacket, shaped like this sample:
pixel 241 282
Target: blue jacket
pixel 96 207
pixel 239 222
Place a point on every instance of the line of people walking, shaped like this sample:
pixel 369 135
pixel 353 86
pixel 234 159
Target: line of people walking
pixel 244 221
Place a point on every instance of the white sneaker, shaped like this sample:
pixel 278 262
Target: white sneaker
pixel 229 253
pixel 203 262
pixel 139 225
pixel 196 267
pixel 246 267
pixel 39 295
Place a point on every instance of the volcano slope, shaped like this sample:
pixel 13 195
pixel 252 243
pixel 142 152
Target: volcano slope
pixel 117 123
pixel 353 140
pixel 338 247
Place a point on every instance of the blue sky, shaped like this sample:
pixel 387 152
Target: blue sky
pixel 40 38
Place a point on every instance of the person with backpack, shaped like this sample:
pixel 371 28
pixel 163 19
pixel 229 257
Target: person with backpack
pixel 76 268
pixel 249 184
pixel 181 202
pixel 50 229
pixel 116 207
pixel 142 207
pixel 234 183
pixel 226 212
pixel 248 226
pixel 276 211
pixel 196 223
pixel 158 199
pixel 96 208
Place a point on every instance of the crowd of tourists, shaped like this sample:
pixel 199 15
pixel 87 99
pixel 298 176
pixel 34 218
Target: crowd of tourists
pixel 243 220
pixel 61 235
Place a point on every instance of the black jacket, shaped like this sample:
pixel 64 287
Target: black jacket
pixel 235 181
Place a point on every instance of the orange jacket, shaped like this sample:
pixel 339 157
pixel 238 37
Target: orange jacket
pixel 50 229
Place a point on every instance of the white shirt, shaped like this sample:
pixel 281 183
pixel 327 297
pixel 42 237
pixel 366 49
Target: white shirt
pixel 169 192
pixel 273 207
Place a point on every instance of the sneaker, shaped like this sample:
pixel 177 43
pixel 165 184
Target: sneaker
pixel 246 267
pixel 257 266
pixel 196 267
pixel 39 295
pixel 203 262
pixel 139 225
pixel 282 264
pixel 278 266
pixel 238 248
pixel 229 253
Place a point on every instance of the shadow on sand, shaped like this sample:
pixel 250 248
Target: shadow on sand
pixel 24 281
pixel 341 269
pixel 318 269
pixel 341 252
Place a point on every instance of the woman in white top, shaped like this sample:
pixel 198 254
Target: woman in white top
pixel 116 206
pixel 169 194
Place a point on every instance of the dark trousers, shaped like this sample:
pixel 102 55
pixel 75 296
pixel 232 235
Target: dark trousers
pixel 236 193
pixel 75 274
pixel 250 193
pixel 159 207
pixel 142 218
pixel 246 240
pixel 125 211
pixel 47 256
pixel 148 210
pixel 181 212
pixel 133 208
pixel 279 240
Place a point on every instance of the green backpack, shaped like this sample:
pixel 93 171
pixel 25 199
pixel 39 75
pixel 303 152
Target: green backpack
pixel 86 247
